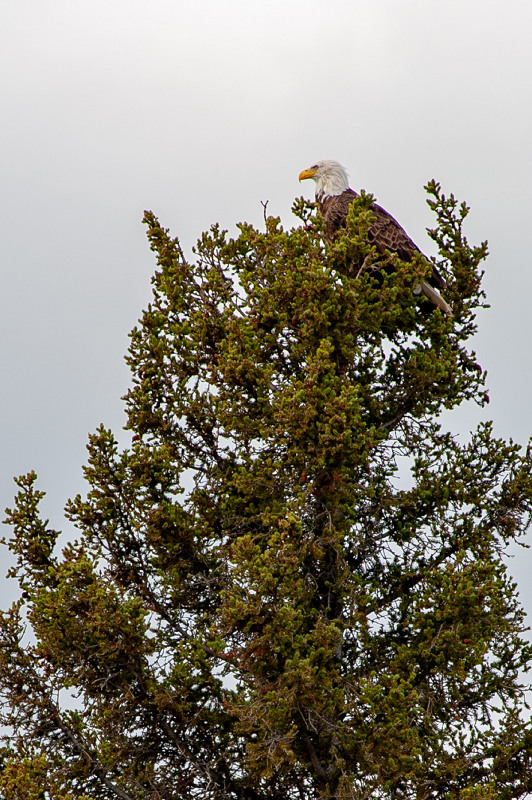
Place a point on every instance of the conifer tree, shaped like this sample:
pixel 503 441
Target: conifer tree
pixel 291 584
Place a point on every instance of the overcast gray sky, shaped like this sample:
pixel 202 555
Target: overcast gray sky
pixel 200 110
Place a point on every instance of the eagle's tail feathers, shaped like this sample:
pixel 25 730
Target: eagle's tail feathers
pixel 434 297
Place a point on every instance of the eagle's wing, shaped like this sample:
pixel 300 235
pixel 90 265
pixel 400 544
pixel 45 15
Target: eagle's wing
pixel 386 234
pixel 384 231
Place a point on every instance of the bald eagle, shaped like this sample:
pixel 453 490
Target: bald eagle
pixel 334 197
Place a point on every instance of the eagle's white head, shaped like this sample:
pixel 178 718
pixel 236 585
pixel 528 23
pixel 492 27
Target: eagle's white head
pixel 331 178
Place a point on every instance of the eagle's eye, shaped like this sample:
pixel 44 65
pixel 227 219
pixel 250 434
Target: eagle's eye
pixel 314 166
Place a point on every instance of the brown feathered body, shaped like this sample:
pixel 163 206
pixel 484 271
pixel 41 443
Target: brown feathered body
pixel 384 232
pixel 334 197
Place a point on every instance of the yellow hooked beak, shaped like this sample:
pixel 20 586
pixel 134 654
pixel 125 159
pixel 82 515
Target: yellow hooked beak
pixel 307 173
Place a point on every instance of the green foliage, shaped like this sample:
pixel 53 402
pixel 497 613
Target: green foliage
pixel 259 604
